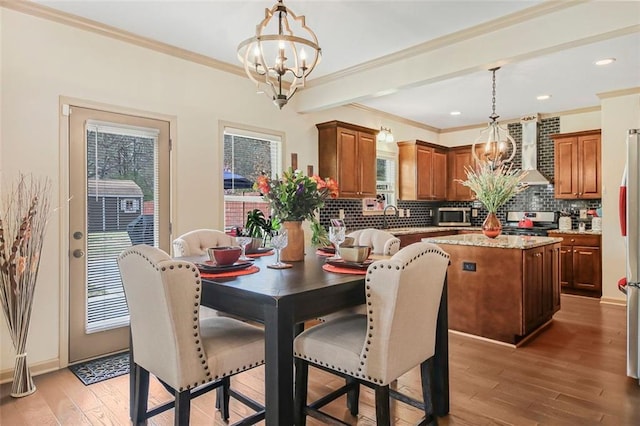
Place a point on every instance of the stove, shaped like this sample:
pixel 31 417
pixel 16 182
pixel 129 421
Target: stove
pixel 542 223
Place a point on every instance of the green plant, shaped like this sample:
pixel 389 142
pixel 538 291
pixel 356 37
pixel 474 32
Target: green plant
pixel 320 236
pixel 494 186
pixel 258 226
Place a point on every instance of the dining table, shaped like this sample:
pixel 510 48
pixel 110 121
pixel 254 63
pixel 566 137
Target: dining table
pixel 283 299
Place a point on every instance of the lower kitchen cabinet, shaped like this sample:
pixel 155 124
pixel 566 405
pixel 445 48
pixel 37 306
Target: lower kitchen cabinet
pixel 581 264
pixel 541 285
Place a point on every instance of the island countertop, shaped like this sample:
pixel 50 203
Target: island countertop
pixel 430 229
pixel 503 241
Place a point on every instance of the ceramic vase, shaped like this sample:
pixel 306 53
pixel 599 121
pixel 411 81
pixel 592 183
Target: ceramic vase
pixel 491 227
pixel 294 251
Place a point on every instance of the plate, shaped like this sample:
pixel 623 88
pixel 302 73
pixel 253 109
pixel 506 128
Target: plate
pixel 209 266
pixel 352 265
pixel 259 250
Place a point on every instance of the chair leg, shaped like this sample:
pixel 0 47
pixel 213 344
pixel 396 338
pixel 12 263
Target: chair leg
pixel 222 398
pixel 300 399
pixel 426 371
pixel 383 410
pixel 141 395
pixel 353 396
pixel 183 408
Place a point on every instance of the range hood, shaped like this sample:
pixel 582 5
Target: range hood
pixel 530 151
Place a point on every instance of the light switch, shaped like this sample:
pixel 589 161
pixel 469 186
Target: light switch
pixel 408 213
pixel 341 214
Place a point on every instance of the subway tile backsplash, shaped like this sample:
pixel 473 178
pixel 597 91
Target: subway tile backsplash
pixel 538 198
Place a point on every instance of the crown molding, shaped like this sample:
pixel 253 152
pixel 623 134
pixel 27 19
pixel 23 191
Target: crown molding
pixel 617 93
pixel 394 117
pixel 40 11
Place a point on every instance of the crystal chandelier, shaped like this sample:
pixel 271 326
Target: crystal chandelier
pixel 499 146
pixel 265 56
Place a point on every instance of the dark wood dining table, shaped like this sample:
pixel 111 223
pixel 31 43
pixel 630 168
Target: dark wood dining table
pixel 283 298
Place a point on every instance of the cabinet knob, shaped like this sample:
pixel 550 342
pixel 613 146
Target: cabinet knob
pixel 575 251
pixel 575 193
pixel 573 240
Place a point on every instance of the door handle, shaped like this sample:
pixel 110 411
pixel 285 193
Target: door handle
pixel 78 253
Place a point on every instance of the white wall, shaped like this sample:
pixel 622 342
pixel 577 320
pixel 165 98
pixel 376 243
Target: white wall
pixel 618 115
pixel 43 60
pixel 570 123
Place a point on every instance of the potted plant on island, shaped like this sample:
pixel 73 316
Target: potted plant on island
pixel 493 186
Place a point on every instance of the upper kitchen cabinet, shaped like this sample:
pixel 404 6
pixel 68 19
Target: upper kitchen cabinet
pixel 423 171
pixel 459 158
pixel 577 165
pixel 347 152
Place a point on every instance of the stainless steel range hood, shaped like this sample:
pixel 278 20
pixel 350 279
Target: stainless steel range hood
pixel 530 151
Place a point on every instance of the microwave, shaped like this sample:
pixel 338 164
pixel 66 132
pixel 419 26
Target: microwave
pixel 453 216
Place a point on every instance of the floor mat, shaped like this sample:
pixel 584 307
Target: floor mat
pixel 100 369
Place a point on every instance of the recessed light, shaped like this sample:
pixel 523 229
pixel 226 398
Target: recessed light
pixel 543 97
pixel 605 61
pixel 455 113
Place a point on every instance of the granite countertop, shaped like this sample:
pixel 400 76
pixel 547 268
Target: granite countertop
pixel 574 231
pixel 503 241
pixel 428 229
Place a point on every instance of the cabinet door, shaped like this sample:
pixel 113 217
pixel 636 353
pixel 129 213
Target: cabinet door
pixel 566 266
pixel 347 158
pixel 566 168
pixel 439 175
pixel 587 268
pixel 458 160
pixel 534 304
pixel 589 179
pixel 551 283
pixel 367 164
pixel 424 160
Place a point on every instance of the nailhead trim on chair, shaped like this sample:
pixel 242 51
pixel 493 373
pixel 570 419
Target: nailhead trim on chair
pixel 363 356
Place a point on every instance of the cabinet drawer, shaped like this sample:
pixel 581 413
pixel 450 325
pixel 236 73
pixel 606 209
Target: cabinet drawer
pixel 579 240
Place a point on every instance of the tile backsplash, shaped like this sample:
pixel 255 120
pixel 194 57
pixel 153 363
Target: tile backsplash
pixel 534 198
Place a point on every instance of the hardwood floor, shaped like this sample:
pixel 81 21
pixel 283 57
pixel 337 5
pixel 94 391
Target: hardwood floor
pixel 571 374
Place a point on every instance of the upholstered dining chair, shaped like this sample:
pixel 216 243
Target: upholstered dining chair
pixel 189 355
pixel 381 242
pixel 195 243
pixel 396 334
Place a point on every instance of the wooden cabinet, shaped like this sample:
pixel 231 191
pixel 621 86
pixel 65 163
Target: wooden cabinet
pixel 347 152
pixel 423 171
pixel 581 264
pixel 458 159
pixel 502 294
pixel 541 285
pixel 577 165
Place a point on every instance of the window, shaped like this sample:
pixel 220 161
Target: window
pixel 386 177
pixel 247 154
pixel 129 205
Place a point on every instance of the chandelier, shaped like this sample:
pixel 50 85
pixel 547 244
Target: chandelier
pixel 275 58
pixel 499 146
pixel 385 135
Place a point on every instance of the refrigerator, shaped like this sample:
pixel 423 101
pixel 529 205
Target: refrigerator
pixel 629 212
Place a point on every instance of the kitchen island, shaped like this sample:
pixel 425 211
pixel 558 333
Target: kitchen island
pixel 502 289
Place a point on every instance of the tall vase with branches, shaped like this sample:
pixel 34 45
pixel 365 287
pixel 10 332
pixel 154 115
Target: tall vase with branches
pixel 24 212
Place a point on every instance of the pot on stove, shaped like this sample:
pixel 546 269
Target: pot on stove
pixel 525 222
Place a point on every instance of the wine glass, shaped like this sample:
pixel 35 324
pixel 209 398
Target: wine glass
pixel 337 237
pixel 279 240
pixel 244 242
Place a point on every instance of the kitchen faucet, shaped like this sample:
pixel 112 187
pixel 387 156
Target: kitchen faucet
pixel 385 225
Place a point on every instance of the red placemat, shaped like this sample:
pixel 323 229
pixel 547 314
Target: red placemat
pixel 266 253
pixel 248 271
pixel 337 270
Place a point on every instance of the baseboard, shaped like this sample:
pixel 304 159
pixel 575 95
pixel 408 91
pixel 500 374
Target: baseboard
pixel 613 301
pixel 37 368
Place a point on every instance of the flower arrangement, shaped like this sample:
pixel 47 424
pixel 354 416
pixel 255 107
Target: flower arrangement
pixel 24 212
pixel 294 196
pixel 494 186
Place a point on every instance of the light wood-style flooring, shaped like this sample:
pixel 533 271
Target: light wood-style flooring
pixel 571 374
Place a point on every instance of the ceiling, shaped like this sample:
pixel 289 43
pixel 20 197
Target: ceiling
pixel 419 60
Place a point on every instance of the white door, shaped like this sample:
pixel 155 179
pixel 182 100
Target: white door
pixel 119 188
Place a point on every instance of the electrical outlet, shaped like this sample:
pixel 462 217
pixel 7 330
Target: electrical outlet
pixel 341 214
pixel 430 213
pixel 400 212
pixel 474 212
pixel 408 213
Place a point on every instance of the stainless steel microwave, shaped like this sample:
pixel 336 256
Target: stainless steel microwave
pixel 453 216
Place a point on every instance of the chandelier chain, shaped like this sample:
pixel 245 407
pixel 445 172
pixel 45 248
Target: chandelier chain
pixel 493 115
